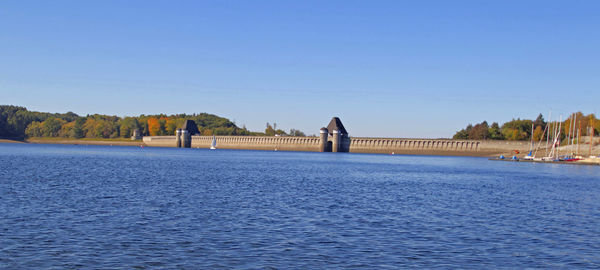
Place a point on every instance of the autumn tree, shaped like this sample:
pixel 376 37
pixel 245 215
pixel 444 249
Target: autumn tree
pixel 517 129
pixel 34 129
pixel 66 130
pixel 538 133
pixel 170 126
pixel 153 126
pixel 479 131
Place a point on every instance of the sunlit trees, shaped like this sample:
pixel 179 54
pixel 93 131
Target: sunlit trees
pixel 516 130
pixel 172 124
pixel 34 129
pixel 153 126
pixel 127 126
pixel 538 133
pixel 51 127
pixel 77 131
pixel 66 130
pixel 479 131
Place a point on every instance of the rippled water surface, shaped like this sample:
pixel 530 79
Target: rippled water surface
pixel 64 206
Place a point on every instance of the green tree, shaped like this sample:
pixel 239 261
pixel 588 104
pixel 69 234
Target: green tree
pixel 269 131
pixel 539 122
pixel 66 130
pixel 127 126
pixel 34 129
pixel 463 134
pixel 77 131
pixel 494 132
pixel 296 132
pixel 52 126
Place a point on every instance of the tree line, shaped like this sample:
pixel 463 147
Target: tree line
pixel 19 123
pixel 520 129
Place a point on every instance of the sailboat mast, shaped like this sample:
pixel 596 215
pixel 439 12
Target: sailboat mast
pixel 574 128
pixel 569 131
pixel 548 134
pixel 558 137
pixel 578 137
pixel 531 147
pixel 553 128
pixel 591 134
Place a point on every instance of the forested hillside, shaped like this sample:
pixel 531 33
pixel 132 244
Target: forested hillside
pixel 520 129
pixel 19 123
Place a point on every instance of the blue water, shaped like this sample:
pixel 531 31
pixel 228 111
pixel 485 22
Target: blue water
pixel 64 206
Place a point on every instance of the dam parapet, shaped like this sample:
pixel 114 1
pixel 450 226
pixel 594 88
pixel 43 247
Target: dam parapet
pixel 335 138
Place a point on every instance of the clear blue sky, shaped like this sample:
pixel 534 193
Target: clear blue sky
pixel 387 68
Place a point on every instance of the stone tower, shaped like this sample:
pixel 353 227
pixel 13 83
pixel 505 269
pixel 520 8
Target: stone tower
pixel 334 138
pixel 136 135
pixel 323 146
pixel 183 136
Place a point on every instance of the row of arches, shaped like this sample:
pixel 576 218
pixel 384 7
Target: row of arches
pixel 256 140
pixel 415 144
pixel 354 142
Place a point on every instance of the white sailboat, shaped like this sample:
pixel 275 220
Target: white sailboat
pixel 531 155
pixel 213 145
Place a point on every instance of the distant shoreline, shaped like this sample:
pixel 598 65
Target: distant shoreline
pixel 128 142
pixel 10 141
pixel 77 141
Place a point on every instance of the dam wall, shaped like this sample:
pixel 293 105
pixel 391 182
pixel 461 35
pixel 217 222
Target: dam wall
pixel 356 145
pixel 434 146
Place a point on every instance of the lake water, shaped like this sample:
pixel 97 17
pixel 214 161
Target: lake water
pixel 66 206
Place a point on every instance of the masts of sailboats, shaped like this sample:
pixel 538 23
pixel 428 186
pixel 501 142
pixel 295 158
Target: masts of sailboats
pixel 555 140
pixel 541 139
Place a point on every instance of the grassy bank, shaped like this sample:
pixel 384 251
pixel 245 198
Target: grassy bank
pixel 9 141
pixel 84 141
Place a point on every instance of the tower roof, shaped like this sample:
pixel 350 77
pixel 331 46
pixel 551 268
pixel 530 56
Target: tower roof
pixel 191 127
pixel 336 124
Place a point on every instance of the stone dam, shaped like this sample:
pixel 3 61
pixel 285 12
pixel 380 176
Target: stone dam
pixel 334 138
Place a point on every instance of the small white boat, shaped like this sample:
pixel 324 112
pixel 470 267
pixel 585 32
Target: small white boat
pixel 213 145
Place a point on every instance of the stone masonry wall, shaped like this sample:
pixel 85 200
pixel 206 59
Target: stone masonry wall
pixel 357 145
